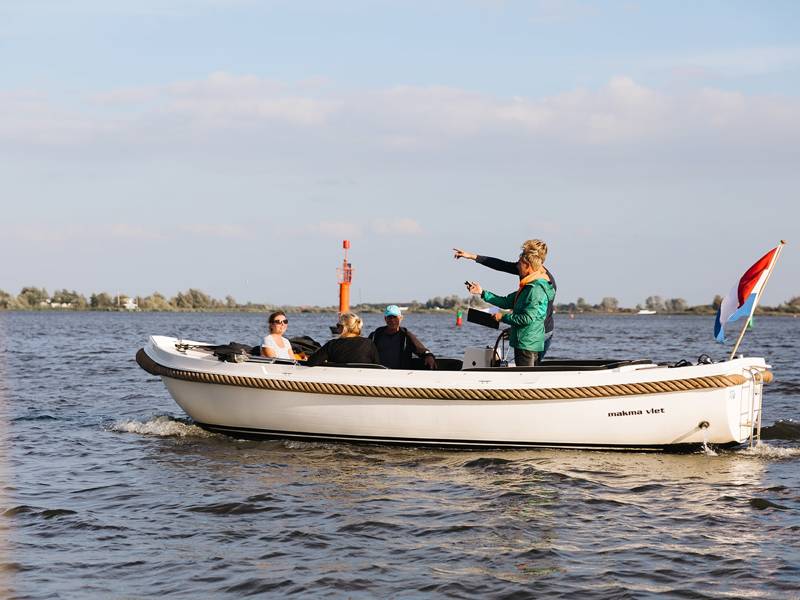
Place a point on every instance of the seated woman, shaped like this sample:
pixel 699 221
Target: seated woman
pixel 349 347
pixel 275 345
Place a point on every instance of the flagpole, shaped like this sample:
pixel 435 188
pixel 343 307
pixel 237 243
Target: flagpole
pixel 758 297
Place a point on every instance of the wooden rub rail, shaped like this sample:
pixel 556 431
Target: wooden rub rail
pixel 339 389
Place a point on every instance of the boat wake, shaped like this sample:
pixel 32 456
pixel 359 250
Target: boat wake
pixel 770 452
pixel 708 450
pixel 162 426
pixel 307 445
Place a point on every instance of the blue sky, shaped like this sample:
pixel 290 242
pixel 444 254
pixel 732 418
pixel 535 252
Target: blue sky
pixel 230 145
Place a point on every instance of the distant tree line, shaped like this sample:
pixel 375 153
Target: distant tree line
pixel 668 305
pixel 33 298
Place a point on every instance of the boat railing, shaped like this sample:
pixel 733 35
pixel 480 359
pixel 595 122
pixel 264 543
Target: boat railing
pixel 354 365
pixel 272 361
pixel 570 365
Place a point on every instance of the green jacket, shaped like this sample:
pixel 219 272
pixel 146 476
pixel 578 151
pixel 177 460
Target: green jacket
pixel 529 312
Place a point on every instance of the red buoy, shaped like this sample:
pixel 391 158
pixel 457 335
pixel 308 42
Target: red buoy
pixel 345 273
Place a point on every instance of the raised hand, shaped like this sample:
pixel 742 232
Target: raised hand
pixel 474 287
pixel 459 253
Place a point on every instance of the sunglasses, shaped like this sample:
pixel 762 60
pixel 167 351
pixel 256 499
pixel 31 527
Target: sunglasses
pixel 284 322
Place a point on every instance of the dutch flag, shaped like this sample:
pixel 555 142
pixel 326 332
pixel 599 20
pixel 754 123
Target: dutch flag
pixel 741 300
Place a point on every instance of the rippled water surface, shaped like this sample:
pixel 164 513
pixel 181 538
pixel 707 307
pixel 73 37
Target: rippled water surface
pixel 109 491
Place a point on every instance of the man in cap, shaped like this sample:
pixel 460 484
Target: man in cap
pixel 396 344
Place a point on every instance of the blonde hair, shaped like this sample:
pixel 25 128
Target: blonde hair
pixel 351 324
pixel 533 259
pixel 537 246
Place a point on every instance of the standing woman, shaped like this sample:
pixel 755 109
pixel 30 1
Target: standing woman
pixel 528 305
pixel 275 345
pixel 349 347
pixel 511 267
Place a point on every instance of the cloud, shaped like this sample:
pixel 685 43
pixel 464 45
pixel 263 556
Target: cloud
pixel 336 181
pixel 43 234
pixel 549 12
pixel 229 100
pixel 125 96
pixel 58 234
pixel 336 229
pixel 244 118
pixel 747 61
pixel 396 226
pixel 31 118
pixel 131 232
pixel 217 231
pixel 104 232
pixel 545 227
pixel 142 8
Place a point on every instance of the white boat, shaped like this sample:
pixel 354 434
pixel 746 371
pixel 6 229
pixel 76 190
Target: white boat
pixel 564 404
pixel 645 311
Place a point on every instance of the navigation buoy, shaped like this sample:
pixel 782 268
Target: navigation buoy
pixel 459 320
pixel 345 273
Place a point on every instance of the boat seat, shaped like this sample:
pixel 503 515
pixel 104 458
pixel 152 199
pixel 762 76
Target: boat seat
pixel 449 364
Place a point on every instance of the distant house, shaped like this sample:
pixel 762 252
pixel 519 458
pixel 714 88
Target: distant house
pixel 49 304
pixel 130 304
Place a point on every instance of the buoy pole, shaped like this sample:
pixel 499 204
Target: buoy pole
pixel 345 273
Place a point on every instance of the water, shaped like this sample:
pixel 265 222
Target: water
pixel 109 491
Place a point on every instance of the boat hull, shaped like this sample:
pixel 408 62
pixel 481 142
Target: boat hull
pixel 509 409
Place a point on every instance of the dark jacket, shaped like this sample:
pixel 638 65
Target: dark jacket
pixel 346 350
pixel 511 267
pixel 410 345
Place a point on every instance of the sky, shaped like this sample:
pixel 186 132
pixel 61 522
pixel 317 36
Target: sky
pixel 231 145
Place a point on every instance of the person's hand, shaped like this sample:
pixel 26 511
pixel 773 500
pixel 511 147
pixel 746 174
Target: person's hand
pixel 463 254
pixel 498 316
pixel 430 362
pixel 474 288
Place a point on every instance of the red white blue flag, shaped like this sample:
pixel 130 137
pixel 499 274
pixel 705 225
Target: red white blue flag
pixel 741 300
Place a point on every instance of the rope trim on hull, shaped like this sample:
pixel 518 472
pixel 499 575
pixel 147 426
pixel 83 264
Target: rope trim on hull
pixel 426 393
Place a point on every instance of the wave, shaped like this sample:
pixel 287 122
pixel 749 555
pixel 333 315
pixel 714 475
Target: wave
pixel 162 426
pixel 43 417
pixel 303 445
pixel 486 463
pixel 763 504
pixel 45 513
pixel 781 430
pixel 231 508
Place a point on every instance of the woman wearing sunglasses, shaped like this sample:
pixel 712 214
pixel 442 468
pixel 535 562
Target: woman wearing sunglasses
pixel 275 345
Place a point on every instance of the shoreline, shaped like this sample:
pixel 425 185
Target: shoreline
pixel 359 310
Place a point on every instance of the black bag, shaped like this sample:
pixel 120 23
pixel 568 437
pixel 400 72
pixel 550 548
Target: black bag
pixel 305 344
pixel 232 352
